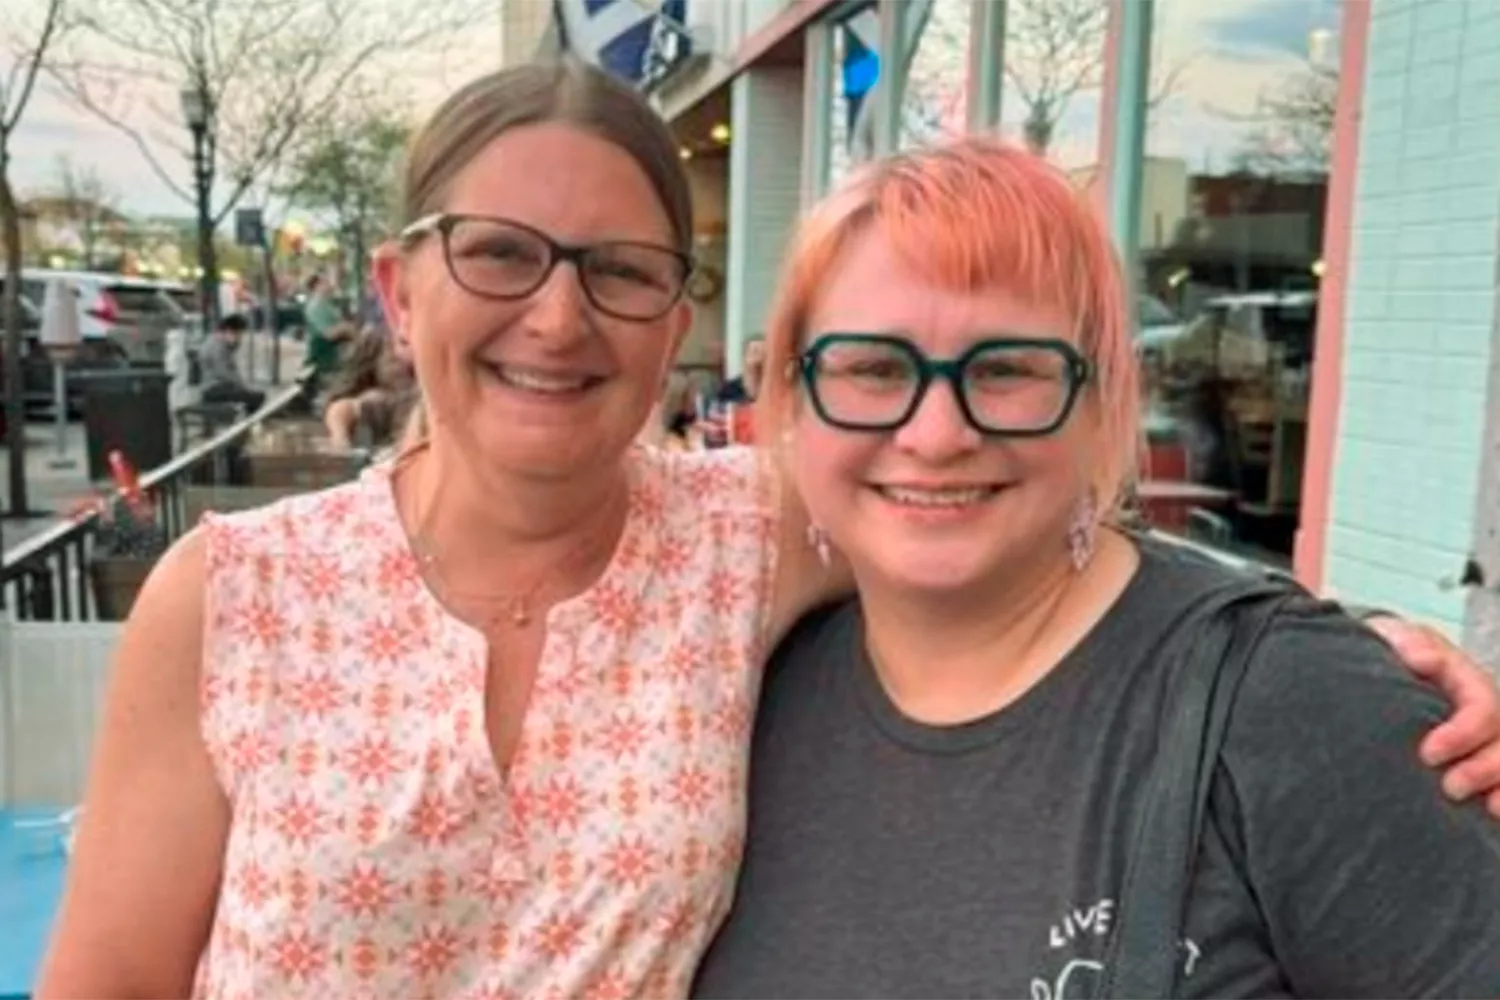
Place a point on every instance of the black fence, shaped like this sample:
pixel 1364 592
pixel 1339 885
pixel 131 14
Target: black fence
pixel 47 578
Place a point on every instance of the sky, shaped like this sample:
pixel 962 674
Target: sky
pixel 53 125
pixel 1233 50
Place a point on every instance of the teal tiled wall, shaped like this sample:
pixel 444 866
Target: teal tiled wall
pixel 1420 312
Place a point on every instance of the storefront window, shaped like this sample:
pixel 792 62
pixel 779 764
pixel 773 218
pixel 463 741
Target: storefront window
pixel 1054 72
pixel 933 102
pixel 933 107
pixel 1233 195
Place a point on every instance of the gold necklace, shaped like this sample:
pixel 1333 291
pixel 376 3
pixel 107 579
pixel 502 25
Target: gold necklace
pixel 514 606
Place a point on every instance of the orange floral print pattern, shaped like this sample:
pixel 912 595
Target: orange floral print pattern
pixel 375 850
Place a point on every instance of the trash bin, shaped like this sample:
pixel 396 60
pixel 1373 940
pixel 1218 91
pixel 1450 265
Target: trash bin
pixel 126 410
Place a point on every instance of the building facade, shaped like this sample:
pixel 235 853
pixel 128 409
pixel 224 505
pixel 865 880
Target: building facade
pixel 1308 198
pixel 1407 411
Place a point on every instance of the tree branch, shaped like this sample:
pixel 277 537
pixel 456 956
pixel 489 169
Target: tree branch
pixel 271 69
pixel 11 115
pixel 80 95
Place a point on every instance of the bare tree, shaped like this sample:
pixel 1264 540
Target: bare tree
pixel 266 71
pixel 85 202
pixel 30 46
pixel 1293 125
pixel 935 80
pixel 1054 50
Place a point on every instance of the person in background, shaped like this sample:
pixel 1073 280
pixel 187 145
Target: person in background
pixel 219 369
pixel 325 327
pixel 744 387
pixel 731 412
pixel 372 392
pixel 679 413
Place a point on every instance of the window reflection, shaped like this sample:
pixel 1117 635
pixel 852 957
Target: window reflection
pixel 1234 194
pixel 934 105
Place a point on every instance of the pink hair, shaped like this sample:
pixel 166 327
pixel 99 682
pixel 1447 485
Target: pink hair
pixel 976 214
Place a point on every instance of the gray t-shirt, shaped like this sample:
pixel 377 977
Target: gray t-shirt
pixel 886 858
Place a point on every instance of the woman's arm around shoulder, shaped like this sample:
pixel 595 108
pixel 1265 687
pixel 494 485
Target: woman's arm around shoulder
pixel 1370 880
pixel 745 481
pixel 143 880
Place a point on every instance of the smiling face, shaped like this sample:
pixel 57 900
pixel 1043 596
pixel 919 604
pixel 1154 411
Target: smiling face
pixel 545 386
pixel 935 506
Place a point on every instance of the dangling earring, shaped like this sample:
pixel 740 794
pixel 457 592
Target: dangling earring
pixel 818 539
pixel 1081 531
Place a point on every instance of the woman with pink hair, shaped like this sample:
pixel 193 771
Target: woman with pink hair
pixel 1041 754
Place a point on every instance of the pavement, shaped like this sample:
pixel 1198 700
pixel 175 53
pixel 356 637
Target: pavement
pixel 57 478
pixel 56 481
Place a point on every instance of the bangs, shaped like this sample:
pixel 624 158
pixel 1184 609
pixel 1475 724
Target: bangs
pixel 971 223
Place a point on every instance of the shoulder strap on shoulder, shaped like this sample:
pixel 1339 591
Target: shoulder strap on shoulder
pixel 1210 649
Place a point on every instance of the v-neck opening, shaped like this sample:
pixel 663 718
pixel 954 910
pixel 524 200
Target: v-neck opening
pixel 562 625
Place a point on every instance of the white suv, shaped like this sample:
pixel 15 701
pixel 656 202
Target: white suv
pixel 134 313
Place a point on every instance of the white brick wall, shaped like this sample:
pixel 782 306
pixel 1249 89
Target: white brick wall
pixel 1421 311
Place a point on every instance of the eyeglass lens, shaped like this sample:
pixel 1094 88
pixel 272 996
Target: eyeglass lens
pixel 875 383
pixel 494 258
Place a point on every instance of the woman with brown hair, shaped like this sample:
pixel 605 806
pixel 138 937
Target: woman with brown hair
pixel 477 724
pixel 373 391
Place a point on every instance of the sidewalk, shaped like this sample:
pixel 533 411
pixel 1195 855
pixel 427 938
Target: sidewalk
pixel 49 489
pixel 55 490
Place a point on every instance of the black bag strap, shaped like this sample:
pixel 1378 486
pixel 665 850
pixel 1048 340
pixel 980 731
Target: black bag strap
pixel 1211 646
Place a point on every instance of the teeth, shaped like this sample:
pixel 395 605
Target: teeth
pixel 537 381
pixel 935 498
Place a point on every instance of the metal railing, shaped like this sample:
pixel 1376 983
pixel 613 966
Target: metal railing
pixel 46 578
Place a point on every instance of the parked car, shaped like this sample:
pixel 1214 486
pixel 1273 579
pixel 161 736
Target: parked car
pixel 1241 328
pixel 1157 323
pixel 134 312
pixel 95 353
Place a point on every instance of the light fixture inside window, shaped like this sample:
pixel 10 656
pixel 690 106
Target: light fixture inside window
pixel 685 153
pixel 720 134
pixel 1317 268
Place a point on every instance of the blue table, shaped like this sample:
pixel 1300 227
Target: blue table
pixel 32 866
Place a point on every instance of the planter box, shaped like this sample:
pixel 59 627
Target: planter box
pixel 117 580
pixel 305 471
pixel 199 500
pixel 294 436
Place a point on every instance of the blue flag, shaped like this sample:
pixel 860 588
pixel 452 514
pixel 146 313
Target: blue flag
pixel 629 39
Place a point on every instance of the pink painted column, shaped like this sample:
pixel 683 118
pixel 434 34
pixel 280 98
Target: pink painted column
pixel 1328 346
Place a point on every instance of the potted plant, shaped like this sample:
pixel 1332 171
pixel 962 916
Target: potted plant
pixel 127 544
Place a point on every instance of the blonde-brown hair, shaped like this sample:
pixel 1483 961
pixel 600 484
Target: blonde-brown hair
pixel 973 215
pixel 567 91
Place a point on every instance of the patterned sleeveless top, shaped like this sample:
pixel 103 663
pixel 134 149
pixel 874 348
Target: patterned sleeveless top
pixel 376 851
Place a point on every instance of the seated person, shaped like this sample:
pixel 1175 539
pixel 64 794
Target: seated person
pixel 372 392
pixel 679 413
pixel 745 387
pixel 219 369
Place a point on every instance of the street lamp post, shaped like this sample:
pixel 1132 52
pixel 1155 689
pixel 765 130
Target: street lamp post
pixel 197 111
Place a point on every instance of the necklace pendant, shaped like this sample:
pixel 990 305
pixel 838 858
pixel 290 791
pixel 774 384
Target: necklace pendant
pixel 518 615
